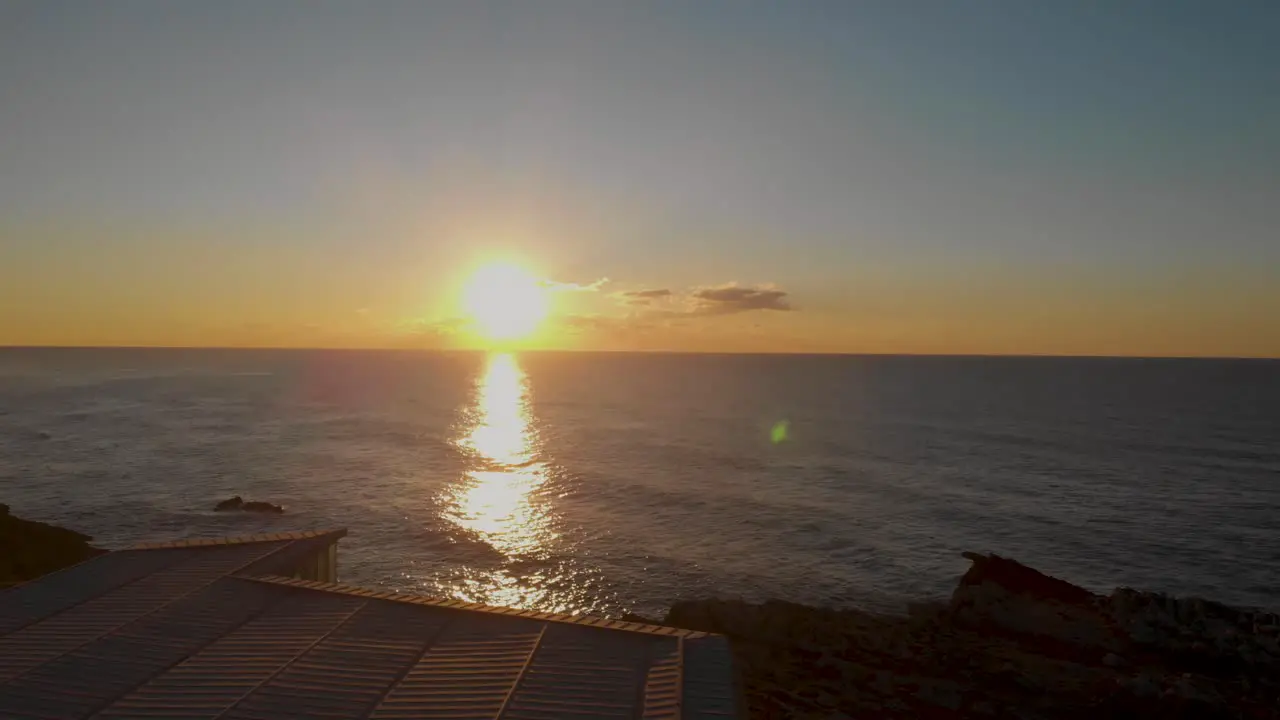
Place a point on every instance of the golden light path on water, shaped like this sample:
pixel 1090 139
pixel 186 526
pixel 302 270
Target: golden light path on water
pixel 496 500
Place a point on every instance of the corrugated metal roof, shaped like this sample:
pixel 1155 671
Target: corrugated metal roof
pixel 192 630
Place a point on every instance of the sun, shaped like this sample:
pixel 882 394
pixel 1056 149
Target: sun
pixel 505 301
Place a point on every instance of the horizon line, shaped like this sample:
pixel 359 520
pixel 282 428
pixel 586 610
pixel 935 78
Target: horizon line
pixel 584 351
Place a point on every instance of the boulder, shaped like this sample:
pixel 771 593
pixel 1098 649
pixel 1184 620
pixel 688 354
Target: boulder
pixel 232 503
pixel 238 503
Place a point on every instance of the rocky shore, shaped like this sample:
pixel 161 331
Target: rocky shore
pixel 30 549
pixel 1010 643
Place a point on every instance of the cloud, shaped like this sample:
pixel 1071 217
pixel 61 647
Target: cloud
pixel 657 293
pixel 424 327
pixel 579 323
pixel 643 297
pixel 554 286
pixel 604 323
pixel 704 301
pixel 422 332
pixel 734 298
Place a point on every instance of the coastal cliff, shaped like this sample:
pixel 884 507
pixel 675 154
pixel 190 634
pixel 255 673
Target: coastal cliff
pixel 1010 643
pixel 29 549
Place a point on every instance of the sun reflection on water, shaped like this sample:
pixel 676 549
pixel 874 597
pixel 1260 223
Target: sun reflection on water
pixel 496 499
pixel 502 432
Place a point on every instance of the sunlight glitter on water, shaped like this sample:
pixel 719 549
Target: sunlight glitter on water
pixel 495 499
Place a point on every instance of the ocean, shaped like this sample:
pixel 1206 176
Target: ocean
pixel 606 483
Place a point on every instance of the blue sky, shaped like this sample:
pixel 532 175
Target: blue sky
pixel 893 166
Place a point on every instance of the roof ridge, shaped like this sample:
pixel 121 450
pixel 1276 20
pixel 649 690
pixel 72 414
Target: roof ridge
pixel 238 539
pixel 454 604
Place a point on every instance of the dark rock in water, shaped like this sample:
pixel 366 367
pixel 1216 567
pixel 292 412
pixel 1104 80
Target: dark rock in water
pixel 234 503
pixel 43 435
pixel 30 549
pixel 237 503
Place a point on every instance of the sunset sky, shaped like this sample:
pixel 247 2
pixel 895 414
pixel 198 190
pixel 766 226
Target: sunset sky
pixel 883 176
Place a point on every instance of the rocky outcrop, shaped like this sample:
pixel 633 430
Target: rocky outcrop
pixel 1010 642
pixel 1196 635
pixel 998 595
pixel 230 504
pixel 237 503
pixel 30 549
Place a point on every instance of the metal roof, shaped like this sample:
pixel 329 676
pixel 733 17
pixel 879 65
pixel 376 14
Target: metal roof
pixel 210 629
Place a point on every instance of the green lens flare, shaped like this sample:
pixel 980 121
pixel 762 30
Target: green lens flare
pixel 779 432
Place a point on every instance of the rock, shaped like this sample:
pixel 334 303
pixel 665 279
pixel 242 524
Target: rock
pixel 998 594
pixel 1011 642
pixel 926 612
pixel 30 549
pixel 237 503
pixel 1144 686
pixel 983 709
pixel 939 695
pixel 1020 579
pixel 233 503
pixel 1197 635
